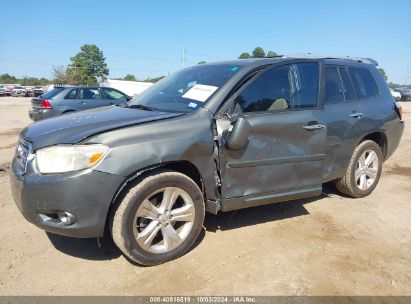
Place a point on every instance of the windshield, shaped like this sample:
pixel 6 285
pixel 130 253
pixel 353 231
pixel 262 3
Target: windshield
pixel 186 90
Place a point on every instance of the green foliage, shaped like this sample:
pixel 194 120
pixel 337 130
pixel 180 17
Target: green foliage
pixel 88 66
pixel 382 72
pixel 258 52
pixel 244 55
pixel 130 77
pixel 202 62
pixel 155 79
pixel 6 78
pixel 271 54
pixel 26 81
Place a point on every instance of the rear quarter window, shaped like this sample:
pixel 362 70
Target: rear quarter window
pixel 364 83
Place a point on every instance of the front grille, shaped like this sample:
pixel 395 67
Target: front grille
pixel 23 150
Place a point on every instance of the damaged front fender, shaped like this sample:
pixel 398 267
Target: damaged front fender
pixel 187 138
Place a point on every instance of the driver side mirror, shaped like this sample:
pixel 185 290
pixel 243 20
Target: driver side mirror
pixel 238 136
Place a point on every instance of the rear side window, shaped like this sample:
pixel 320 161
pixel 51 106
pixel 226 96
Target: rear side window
pixel 71 95
pixel 364 83
pixel 347 86
pixel 338 87
pixel 52 93
pixel 334 91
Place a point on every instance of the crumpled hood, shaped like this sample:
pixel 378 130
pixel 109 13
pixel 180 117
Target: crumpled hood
pixel 72 128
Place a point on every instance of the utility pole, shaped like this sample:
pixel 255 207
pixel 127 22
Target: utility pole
pixel 406 76
pixel 183 58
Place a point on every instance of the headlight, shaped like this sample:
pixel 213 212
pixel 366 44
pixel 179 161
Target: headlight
pixel 66 158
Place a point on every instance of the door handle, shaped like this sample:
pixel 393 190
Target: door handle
pixel 314 127
pixel 356 115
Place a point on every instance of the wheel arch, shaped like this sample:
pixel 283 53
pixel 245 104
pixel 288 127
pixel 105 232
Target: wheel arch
pixel 380 138
pixel 182 166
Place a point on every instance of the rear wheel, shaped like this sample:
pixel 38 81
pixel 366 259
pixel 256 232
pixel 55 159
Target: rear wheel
pixel 363 172
pixel 159 219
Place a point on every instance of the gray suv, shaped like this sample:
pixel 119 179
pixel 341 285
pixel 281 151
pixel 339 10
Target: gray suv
pixel 64 100
pixel 214 137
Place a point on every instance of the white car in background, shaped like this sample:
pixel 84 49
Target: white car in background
pixel 18 91
pixel 396 94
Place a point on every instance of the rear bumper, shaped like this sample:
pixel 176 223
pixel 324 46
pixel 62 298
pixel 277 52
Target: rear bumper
pixel 86 194
pixel 36 114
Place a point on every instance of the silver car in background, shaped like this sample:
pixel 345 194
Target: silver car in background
pixel 64 100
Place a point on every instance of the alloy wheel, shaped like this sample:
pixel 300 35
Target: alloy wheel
pixel 366 170
pixel 164 220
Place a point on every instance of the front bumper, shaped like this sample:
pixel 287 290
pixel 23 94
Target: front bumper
pixel 86 194
pixel 36 114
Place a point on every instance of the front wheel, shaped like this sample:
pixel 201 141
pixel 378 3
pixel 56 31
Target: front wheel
pixel 363 172
pixel 159 219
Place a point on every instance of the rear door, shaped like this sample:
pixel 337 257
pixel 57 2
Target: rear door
pixel 284 153
pixel 344 119
pixel 89 98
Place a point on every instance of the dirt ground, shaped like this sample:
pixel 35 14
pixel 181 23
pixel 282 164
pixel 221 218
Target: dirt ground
pixel 329 245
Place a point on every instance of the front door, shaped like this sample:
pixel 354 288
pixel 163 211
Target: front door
pixel 283 157
pixel 89 98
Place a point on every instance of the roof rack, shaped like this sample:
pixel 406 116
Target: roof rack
pixel 312 56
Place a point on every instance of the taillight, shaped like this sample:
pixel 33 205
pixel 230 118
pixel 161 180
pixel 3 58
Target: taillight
pixel 398 109
pixel 45 104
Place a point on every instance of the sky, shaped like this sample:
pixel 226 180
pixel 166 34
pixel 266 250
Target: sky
pixel 146 38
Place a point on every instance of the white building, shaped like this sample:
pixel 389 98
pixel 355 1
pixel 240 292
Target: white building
pixel 131 88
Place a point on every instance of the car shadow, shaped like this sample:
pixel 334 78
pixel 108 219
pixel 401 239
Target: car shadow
pixel 89 249
pixel 262 214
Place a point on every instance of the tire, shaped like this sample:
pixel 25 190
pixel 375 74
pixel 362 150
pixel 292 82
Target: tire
pixel 134 217
pixel 361 186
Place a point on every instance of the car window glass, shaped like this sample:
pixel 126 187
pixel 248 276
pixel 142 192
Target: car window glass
pixel 113 94
pixel 306 85
pixel 364 83
pixel 88 93
pixel 334 91
pixel 52 93
pixel 186 90
pixel 347 87
pixel 287 87
pixel 71 94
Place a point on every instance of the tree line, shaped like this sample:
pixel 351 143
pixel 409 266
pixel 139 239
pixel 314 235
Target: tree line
pixel 258 52
pixel 89 67
pixel 25 81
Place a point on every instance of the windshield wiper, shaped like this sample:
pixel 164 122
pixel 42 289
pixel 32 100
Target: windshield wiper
pixel 141 107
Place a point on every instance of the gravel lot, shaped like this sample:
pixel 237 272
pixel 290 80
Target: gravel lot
pixel 329 245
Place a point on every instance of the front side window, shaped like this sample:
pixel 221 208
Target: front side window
pixel 88 93
pixel 364 83
pixel 115 95
pixel 292 86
